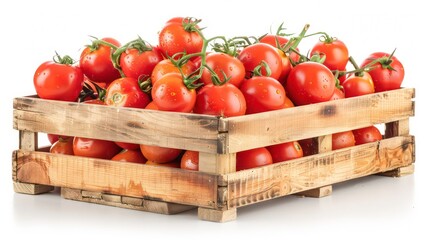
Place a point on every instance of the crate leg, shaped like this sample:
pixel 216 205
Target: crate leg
pixel 33 189
pixel 399 172
pixel 214 215
pixel 317 192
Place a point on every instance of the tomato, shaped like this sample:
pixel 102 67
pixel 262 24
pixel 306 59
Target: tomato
pixel 285 151
pixel 335 52
pixel 387 74
pixel 279 42
pixel 63 146
pixel 263 94
pixel 96 62
pixel 310 82
pixel 94 148
pixel 367 135
pixel 166 66
pixel 342 140
pixel 159 154
pixel 127 155
pixel 286 67
pixel 338 94
pixel 253 55
pixel 128 146
pixel 180 37
pixel 171 94
pixel 253 158
pixel 288 103
pixel 173 164
pixel 54 137
pixel 126 92
pixel 152 106
pixel 224 100
pixel 356 86
pixel 139 62
pixel 190 160
pixel 58 80
pixel 224 65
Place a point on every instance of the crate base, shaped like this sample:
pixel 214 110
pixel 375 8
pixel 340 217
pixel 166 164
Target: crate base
pixel 33 189
pixel 214 215
pixel 124 202
pixel 399 172
pixel 316 193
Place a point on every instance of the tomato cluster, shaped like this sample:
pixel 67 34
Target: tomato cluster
pixel 188 72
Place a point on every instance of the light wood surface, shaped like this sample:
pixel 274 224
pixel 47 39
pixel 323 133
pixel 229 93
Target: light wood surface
pixel 316 192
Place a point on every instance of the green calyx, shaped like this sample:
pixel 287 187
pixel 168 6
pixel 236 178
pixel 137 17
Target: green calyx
pixel 66 60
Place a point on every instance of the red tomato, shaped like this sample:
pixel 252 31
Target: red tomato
pixel 356 86
pixel 338 94
pixel 96 62
pixel 224 65
pixel 288 103
pixel 58 80
pixel 367 135
pixel 253 55
pixel 94 148
pixel 54 137
pixel 180 37
pixel 171 94
pixel 263 94
pixel 126 92
pixel 279 42
pixel 134 156
pixel 225 100
pixel 285 151
pixel 310 82
pixel 128 146
pixel 387 74
pixel 253 158
pixel 152 106
pixel 137 63
pixel 173 164
pixel 190 160
pixel 342 140
pixel 286 67
pixel 335 52
pixel 63 146
pixel 159 154
pixel 166 66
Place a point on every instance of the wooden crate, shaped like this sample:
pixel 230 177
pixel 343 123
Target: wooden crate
pixel 216 189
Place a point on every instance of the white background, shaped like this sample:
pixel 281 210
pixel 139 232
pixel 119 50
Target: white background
pixel 31 31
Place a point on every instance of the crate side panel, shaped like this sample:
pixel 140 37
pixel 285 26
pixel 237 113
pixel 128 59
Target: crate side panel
pixel 260 184
pixel 120 178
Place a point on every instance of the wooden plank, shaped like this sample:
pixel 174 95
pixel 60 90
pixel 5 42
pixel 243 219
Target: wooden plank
pixel 120 178
pixel 274 127
pixel 316 192
pixel 217 215
pixel 216 163
pixel 125 202
pixel 28 140
pixel 33 189
pixel 166 129
pixel 399 172
pixel 260 184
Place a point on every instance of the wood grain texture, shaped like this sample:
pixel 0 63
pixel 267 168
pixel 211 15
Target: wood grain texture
pixel 167 129
pixel 260 184
pixel 257 130
pixel 28 140
pixel 399 172
pixel 124 202
pixel 33 189
pixel 316 192
pixel 119 178
pixel 217 215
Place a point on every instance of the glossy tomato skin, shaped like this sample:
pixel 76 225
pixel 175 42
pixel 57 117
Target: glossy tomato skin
pixel 357 86
pixel 166 66
pixel 94 148
pixel 385 79
pixel 126 92
pixel 127 155
pixel 170 94
pixel 224 64
pixel 285 151
pixel 342 140
pixel 310 82
pixel 136 64
pixel 253 55
pixel 225 100
pixel 263 94
pixel 63 146
pixel 190 160
pixel 128 146
pixel 159 154
pixel 367 135
pixel 253 158
pixel 96 62
pixel 338 94
pixel 57 81
pixel 336 53
pixel 274 40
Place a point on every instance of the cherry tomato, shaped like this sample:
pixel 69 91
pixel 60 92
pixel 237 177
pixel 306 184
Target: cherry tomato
pixel 225 100
pixel 152 106
pixel 224 65
pixel 96 62
pixel 58 80
pixel 387 74
pixel 253 55
pixel 159 154
pixel 139 62
pixel 342 140
pixel 94 148
pixel 286 67
pixel 166 66
pixel 338 94
pixel 253 158
pixel 356 86
pixel 190 160
pixel 285 151
pixel 279 42
pixel 127 155
pixel 335 51
pixel 263 94
pixel 288 103
pixel 126 92
pixel 63 146
pixel 310 82
pixel 54 137
pixel 171 94
pixel 367 135
pixel 128 146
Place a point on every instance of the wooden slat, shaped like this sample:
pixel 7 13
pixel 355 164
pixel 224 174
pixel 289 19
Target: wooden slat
pixel 167 129
pixel 32 189
pixel 127 179
pixel 260 184
pixel 316 192
pixel 214 215
pixel 257 130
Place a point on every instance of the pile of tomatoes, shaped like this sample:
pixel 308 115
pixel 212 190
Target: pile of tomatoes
pixel 188 72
